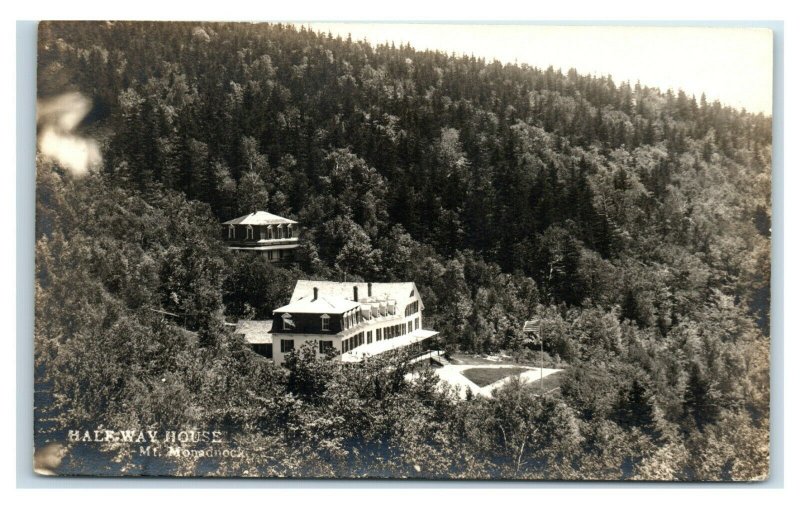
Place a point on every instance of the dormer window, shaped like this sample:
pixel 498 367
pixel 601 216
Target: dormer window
pixel 289 231
pixel 231 231
pixel 269 232
pixel 249 233
pixel 288 323
pixel 326 322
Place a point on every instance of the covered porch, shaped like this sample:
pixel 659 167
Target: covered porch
pixel 419 340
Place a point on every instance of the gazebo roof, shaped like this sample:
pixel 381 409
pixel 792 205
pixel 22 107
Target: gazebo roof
pixel 260 218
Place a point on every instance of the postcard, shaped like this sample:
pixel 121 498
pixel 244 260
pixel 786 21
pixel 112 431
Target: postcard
pixel 403 251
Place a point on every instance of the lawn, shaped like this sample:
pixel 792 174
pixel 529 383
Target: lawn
pixel 550 382
pixel 487 376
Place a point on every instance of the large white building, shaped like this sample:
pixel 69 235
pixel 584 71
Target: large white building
pixel 354 321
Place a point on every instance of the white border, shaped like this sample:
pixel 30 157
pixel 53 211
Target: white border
pixel 454 493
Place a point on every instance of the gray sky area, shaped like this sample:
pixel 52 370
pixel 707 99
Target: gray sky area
pixel 733 65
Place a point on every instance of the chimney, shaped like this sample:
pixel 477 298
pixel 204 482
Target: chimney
pixel 316 293
pixel 369 289
pixel 355 293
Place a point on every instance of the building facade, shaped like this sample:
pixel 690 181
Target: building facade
pixel 352 321
pixel 274 236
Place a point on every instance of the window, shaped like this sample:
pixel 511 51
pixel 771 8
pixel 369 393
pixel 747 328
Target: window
pixel 249 233
pixel 289 231
pixel 326 322
pixel 416 323
pixel 280 232
pixel 410 326
pixel 325 346
pixel 263 234
pixel 378 335
pixel 288 323
pixel 269 232
pixel 231 231
pixel 369 336
pixel 287 345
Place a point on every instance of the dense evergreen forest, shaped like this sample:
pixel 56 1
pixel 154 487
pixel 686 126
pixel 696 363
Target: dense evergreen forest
pixel 633 222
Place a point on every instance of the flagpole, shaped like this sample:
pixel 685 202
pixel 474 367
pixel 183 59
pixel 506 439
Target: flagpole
pixel 536 328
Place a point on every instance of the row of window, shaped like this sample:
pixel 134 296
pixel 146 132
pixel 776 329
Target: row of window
pixel 265 234
pixel 412 308
pixel 356 340
pixel 380 334
pixel 397 330
pixel 351 319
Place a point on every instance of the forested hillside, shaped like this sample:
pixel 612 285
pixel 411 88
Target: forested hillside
pixel 635 223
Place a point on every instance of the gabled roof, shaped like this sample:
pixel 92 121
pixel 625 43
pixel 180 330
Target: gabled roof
pixel 401 293
pixel 323 304
pixel 260 218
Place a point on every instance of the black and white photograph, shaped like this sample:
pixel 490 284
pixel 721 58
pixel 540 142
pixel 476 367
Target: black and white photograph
pixel 439 251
